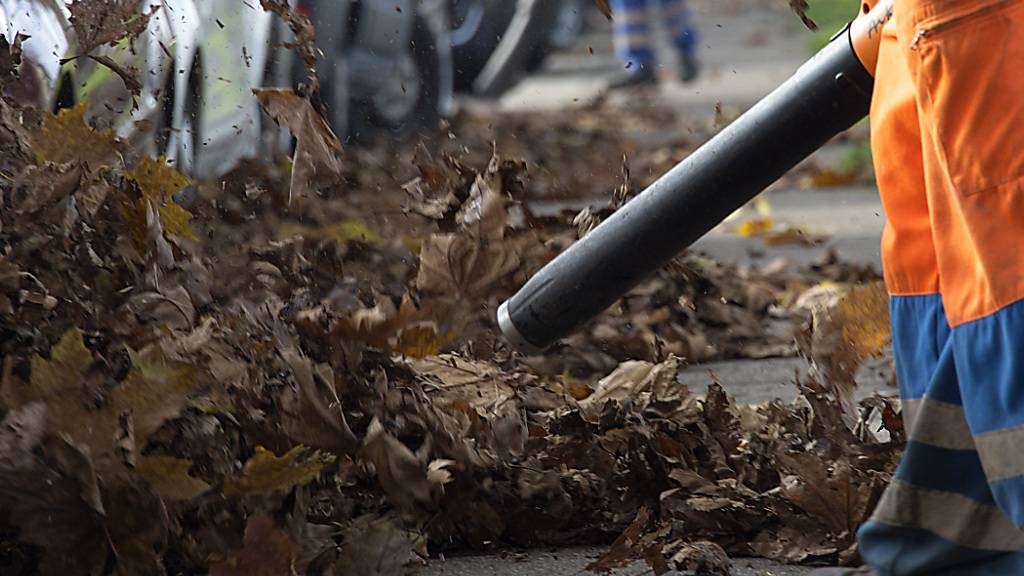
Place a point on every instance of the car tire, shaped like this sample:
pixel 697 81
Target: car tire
pixel 367 117
pixel 477 28
pixel 566 29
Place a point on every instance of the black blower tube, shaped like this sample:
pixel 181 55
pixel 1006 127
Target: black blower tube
pixel 827 95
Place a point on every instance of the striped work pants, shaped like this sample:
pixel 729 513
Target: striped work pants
pixel 633 23
pixel 947 136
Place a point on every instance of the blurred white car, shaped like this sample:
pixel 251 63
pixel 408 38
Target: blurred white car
pixel 197 61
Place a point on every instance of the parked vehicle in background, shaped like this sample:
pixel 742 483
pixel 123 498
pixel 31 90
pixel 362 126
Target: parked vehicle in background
pixel 386 67
pixel 197 61
pixel 479 27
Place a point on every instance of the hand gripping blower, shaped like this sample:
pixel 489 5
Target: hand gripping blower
pixel 827 95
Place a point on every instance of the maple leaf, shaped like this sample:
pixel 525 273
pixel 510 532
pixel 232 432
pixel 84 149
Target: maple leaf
pixel 155 390
pixel 64 370
pixel 863 317
pixel 67 137
pixel 168 477
pixel 421 340
pixel 266 473
pixel 158 181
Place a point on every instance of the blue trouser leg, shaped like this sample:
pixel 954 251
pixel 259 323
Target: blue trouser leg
pixel 677 20
pixel 941 515
pixel 990 362
pixel 632 32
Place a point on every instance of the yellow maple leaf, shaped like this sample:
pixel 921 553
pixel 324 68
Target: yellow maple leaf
pixel 169 478
pixel 863 316
pixel 64 370
pixel 67 137
pixel 155 390
pixel 158 180
pixel 421 341
pixel 266 473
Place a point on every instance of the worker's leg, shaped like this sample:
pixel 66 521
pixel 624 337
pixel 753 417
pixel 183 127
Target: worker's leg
pixel 676 16
pixel 956 505
pixel 632 32
pixel 679 23
pixel 938 516
pixel 990 362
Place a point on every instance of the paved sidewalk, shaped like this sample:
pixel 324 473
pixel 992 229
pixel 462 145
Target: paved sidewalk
pixel 573 562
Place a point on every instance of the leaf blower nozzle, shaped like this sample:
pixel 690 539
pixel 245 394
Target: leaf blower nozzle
pixel 827 95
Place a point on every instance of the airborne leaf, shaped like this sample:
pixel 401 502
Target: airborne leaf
pixel 317 159
pixel 158 180
pixel 67 137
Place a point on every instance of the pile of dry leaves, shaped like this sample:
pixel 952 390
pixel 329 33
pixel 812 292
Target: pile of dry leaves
pixel 312 383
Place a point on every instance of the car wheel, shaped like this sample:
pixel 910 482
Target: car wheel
pixel 410 99
pixel 568 25
pixel 476 29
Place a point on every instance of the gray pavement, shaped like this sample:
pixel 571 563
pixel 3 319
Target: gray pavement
pixel 747 48
pixel 573 561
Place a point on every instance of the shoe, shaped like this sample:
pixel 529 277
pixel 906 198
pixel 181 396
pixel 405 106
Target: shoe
pixel 689 67
pixel 860 571
pixel 633 76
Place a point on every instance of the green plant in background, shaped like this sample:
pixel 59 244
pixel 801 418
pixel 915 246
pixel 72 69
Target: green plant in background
pixel 830 15
pixel 856 159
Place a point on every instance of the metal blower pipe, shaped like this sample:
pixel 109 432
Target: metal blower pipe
pixel 827 95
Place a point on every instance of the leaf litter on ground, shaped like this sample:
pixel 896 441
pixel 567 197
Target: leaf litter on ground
pixel 251 387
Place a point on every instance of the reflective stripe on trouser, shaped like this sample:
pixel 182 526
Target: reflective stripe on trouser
pixel 942 514
pixel 632 28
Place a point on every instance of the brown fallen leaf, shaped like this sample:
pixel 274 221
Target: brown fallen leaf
pixel 464 266
pixel 317 160
pixel 168 477
pixel 379 546
pixel 99 22
pixel 10 55
pixel 313 416
pixel 50 490
pixel 128 76
pixel 402 476
pixel 266 550
pixel 138 525
pixel 704 558
pixel 305 36
pixel 800 7
pixel 845 331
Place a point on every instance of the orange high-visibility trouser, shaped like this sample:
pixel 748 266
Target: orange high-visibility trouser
pixel 947 123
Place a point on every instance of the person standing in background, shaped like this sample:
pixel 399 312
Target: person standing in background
pixel 631 29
